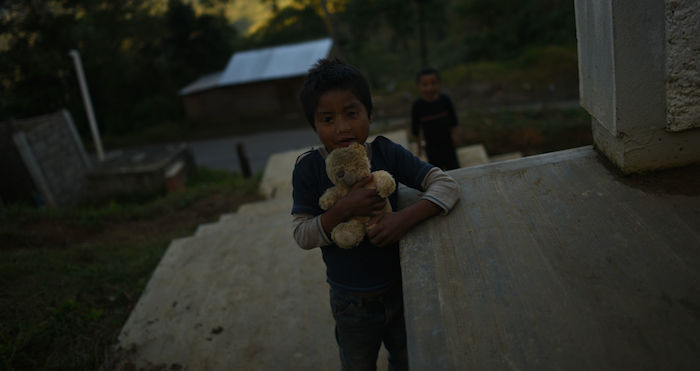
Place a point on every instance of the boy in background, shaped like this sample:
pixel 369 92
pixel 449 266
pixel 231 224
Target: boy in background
pixel 365 282
pixel 434 116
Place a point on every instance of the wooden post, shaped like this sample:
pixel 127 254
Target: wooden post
pixel 243 160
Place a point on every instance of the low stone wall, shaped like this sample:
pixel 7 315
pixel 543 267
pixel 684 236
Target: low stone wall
pixel 137 171
pixel 44 163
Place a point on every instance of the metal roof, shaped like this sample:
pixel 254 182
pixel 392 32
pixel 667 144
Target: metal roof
pixel 205 82
pixel 264 64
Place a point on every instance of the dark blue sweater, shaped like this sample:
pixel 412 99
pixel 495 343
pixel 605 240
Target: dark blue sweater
pixel 365 267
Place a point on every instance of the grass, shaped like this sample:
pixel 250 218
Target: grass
pixel 545 74
pixel 529 131
pixel 69 278
pixel 62 309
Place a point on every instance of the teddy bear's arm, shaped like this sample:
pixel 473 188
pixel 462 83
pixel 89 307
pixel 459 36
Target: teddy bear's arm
pixel 329 197
pixel 349 234
pixel 385 183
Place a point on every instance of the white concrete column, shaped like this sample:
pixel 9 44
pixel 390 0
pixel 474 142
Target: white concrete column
pixel 625 82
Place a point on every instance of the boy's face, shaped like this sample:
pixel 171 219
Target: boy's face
pixel 341 119
pixel 429 86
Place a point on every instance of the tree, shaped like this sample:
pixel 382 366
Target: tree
pixel 294 23
pixel 503 29
pixel 384 38
pixel 135 58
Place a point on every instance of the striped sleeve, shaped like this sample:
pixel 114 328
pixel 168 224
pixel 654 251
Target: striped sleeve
pixel 308 232
pixel 440 189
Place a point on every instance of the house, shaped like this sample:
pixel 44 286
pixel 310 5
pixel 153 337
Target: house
pixel 257 86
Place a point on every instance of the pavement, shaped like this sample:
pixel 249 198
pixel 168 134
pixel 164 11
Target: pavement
pixel 221 153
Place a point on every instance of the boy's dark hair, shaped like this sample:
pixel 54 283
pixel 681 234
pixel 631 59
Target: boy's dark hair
pixel 332 74
pixel 427 71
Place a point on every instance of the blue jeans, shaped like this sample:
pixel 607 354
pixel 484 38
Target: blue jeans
pixel 363 322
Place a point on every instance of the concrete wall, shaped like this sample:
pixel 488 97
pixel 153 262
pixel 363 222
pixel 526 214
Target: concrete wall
pixel 624 80
pixel 682 64
pixel 596 59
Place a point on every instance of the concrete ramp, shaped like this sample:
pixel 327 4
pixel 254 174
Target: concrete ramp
pixel 472 155
pixel 239 295
pixel 557 262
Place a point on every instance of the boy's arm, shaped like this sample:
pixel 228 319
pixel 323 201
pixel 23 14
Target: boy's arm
pixel 442 193
pixel 391 227
pixel 308 232
pixel 314 231
pixel 440 189
pixel 359 201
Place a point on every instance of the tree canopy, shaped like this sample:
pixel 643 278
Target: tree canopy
pixel 135 55
pixel 138 53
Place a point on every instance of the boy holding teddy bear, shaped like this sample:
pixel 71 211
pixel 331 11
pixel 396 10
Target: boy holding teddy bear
pixel 365 280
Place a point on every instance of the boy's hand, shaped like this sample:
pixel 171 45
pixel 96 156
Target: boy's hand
pixel 391 227
pixel 386 229
pixel 362 201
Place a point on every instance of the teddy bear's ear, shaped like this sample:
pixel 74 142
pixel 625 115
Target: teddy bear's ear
pixel 357 147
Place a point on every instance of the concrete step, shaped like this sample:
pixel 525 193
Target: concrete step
pixel 268 206
pixel 261 207
pixel 241 221
pixel 250 214
pixel 505 157
pixel 472 155
pixel 277 178
pixel 244 298
pixel 397 136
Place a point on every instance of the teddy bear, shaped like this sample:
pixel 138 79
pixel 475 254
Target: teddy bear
pixel 346 166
